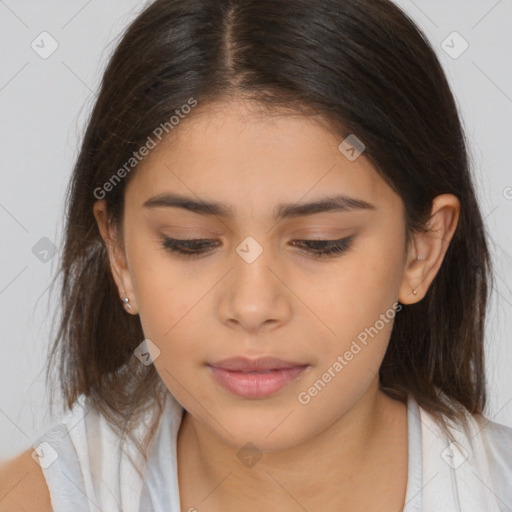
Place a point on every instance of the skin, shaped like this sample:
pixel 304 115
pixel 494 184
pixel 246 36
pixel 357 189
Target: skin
pixel 346 448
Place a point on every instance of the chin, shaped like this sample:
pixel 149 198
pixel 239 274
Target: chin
pixel 268 433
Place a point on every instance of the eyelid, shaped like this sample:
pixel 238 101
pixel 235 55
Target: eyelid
pixel 198 247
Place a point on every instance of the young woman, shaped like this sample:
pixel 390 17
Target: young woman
pixel 275 275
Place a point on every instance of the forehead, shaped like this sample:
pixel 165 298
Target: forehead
pixel 247 158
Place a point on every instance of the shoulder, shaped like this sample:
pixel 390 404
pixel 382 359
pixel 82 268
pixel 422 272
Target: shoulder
pixel 497 439
pixel 35 480
pixel 470 463
pixel 497 446
pixel 23 485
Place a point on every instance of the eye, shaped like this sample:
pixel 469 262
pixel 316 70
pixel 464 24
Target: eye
pixel 194 247
pixel 324 248
pixel 189 247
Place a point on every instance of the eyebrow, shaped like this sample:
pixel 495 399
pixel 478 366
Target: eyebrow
pixel 337 203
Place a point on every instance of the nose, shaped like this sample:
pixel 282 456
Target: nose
pixel 254 295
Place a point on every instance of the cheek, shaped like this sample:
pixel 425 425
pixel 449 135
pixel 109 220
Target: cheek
pixel 360 287
pixel 361 312
pixel 175 311
pixel 166 288
pixel 166 301
pixel 359 304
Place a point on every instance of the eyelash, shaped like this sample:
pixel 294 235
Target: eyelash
pixel 191 247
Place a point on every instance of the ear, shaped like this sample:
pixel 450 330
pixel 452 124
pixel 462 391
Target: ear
pixel 426 250
pixel 118 264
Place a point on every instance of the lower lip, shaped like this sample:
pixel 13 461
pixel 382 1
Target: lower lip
pixel 256 385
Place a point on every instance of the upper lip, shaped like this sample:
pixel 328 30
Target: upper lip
pixel 241 364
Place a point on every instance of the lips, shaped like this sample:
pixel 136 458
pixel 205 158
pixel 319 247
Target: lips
pixel 261 364
pixel 256 378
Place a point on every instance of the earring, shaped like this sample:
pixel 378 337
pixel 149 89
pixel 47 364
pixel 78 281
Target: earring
pixel 414 292
pixel 126 301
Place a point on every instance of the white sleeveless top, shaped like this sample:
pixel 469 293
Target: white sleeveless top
pixel 85 471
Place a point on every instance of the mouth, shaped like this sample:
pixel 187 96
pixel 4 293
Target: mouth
pixel 256 378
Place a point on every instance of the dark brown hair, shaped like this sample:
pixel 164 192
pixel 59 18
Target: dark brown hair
pixel 361 65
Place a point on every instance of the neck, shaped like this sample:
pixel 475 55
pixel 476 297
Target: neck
pixel 357 445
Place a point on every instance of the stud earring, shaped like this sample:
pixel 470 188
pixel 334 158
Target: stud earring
pixel 126 301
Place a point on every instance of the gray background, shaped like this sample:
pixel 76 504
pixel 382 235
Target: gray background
pixel 43 105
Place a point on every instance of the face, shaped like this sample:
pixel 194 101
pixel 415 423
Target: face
pixel 261 282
